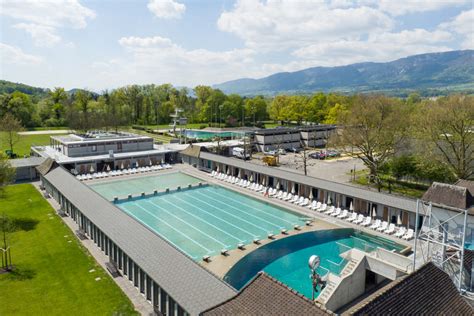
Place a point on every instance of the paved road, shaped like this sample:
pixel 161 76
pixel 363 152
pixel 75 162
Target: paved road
pixel 55 131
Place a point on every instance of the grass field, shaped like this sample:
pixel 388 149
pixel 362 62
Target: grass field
pixel 22 147
pixel 398 187
pixel 53 271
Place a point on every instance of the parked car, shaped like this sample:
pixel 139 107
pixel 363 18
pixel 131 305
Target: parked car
pixel 293 150
pixel 318 155
pixel 333 153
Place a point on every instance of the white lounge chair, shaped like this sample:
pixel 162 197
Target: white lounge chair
pixel 284 196
pixel 317 206
pixel 323 208
pixel 409 235
pixel 390 230
pixel 336 212
pixel 376 224
pixel 288 197
pixel 295 199
pixel 401 231
pixel 305 202
pixel 352 217
pixel 343 214
pixel 279 194
pixel 383 226
pixel 366 221
pixel 330 210
pixel 359 220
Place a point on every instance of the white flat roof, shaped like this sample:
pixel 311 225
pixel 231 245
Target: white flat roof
pixel 50 152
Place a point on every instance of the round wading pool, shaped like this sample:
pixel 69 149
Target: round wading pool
pixel 287 259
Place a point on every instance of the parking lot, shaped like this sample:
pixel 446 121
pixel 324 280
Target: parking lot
pixel 334 169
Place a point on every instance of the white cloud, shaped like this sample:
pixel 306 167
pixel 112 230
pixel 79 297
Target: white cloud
pixel 42 19
pixel 401 7
pixel 42 35
pixel 379 47
pixel 463 25
pixel 145 41
pixel 166 9
pixel 14 55
pixel 157 59
pixel 285 24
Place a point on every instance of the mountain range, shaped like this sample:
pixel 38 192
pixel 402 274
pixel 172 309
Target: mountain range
pixel 453 71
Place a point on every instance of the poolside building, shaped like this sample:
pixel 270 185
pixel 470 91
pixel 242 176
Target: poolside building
pixel 385 206
pixel 104 151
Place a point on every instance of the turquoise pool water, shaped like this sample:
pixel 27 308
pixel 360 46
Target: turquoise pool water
pixel 204 220
pixel 208 135
pixel 123 187
pixel 287 259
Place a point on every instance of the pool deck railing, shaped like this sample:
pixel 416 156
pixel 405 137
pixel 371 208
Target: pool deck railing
pixel 157 192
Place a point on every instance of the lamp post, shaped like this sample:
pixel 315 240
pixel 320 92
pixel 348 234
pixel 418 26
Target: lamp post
pixel 313 264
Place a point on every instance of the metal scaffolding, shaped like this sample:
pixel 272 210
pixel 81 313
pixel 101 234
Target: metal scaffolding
pixel 441 239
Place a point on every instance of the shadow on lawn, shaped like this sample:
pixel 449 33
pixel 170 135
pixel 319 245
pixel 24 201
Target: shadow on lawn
pixel 25 224
pixel 21 274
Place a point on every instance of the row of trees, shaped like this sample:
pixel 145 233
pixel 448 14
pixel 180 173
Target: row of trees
pixel 436 135
pixel 152 105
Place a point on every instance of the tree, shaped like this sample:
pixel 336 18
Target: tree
pixel 6 227
pixel 7 172
pixel 447 127
pixel 19 105
pixel 374 129
pixel 11 126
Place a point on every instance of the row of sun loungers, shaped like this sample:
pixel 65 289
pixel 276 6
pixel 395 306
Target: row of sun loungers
pixel 114 173
pixel 330 210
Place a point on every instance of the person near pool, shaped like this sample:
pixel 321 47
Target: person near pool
pixel 266 192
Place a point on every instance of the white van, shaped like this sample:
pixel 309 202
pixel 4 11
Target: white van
pixel 239 152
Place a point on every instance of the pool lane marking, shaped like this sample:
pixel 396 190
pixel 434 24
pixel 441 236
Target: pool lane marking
pixel 202 220
pixel 220 219
pixel 209 236
pixel 256 209
pixel 239 210
pixel 164 222
pixel 237 217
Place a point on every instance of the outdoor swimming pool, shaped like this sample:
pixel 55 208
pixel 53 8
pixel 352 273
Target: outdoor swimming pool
pixel 123 187
pixel 204 220
pixel 287 259
pixel 208 134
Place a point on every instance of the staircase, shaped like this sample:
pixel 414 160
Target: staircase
pixel 333 281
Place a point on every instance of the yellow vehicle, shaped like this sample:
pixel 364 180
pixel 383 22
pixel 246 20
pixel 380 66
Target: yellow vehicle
pixel 270 160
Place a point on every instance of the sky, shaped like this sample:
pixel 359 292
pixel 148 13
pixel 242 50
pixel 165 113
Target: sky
pixel 105 44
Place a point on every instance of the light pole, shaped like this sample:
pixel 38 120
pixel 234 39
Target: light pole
pixel 313 264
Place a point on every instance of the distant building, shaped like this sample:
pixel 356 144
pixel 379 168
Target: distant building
pixel 292 137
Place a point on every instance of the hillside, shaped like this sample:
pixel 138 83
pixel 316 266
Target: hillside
pixel 452 71
pixel 9 87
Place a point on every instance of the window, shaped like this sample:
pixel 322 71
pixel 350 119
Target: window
pixel 94 147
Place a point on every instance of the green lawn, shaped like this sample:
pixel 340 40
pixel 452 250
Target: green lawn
pixel 52 275
pixel 22 147
pixel 409 189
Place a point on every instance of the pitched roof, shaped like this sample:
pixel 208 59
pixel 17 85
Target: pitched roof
pixel 193 150
pixel 266 296
pixel 193 287
pixel 454 195
pixel 427 291
pixel 46 166
pixel 349 190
